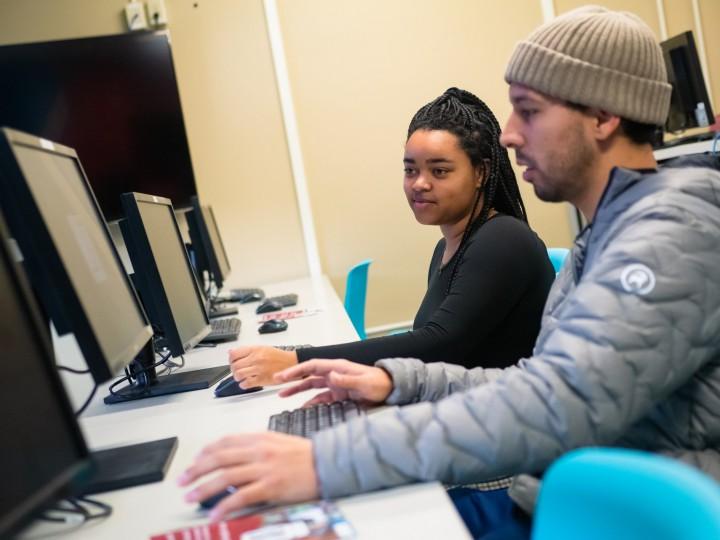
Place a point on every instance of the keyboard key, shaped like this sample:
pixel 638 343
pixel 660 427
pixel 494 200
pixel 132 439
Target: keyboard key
pixel 306 421
pixel 224 329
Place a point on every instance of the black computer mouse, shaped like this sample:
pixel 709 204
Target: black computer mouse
pixel 269 305
pixel 273 325
pixel 252 297
pixel 230 387
pixel 210 502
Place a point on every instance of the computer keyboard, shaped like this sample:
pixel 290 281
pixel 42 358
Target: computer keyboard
pixel 221 310
pixel 284 299
pixel 224 330
pixel 308 420
pixel 292 347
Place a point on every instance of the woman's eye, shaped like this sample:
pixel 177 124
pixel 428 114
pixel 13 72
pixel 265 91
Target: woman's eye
pixel 527 113
pixel 409 171
pixel 440 172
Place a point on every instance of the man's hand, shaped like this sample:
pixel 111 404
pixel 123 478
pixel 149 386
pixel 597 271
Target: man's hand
pixel 255 366
pixel 343 380
pixel 266 467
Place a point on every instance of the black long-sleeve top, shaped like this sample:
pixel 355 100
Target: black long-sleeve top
pixel 491 315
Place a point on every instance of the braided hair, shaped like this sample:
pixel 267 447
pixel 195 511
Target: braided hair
pixel 468 118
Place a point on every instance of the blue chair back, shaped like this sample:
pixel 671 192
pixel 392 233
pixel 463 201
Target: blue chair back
pixel 557 257
pixel 355 295
pixel 618 494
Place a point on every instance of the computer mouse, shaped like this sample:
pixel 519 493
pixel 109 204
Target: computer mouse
pixel 269 305
pixel 252 297
pixel 210 502
pixel 230 387
pixel 273 325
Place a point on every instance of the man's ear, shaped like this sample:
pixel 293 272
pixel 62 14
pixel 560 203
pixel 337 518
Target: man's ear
pixel 605 124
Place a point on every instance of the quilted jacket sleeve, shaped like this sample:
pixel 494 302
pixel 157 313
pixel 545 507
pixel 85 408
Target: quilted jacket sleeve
pixel 609 357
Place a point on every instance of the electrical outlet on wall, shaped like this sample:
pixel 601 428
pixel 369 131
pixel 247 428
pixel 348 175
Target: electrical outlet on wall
pixel 156 12
pixel 135 16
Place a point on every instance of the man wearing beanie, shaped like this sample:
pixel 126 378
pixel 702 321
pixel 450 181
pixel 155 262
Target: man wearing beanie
pixel 628 353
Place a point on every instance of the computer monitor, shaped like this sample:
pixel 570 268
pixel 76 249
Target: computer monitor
pixel 68 252
pixel 44 456
pixel 690 103
pixel 165 281
pixel 77 275
pixel 207 243
pixel 115 100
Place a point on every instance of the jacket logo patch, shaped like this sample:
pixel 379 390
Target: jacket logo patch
pixel 637 279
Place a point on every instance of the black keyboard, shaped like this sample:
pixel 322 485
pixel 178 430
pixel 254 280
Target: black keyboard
pixel 221 310
pixel 292 347
pixel 224 330
pixel 284 299
pixel 306 421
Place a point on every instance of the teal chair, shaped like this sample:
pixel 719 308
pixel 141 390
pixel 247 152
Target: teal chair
pixel 557 257
pixel 618 494
pixel 355 294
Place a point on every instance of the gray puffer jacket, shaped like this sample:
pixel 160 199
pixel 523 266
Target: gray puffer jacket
pixel 628 355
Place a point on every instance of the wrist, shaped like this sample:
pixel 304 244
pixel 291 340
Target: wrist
pixel 388 385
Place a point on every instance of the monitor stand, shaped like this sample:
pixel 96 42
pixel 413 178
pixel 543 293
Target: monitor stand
pixel 127 466
pixel 147 384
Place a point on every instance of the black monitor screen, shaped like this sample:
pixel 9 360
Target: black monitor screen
pixel 690 103
pixel 114 99
pixel 42 447
pixel 64 208
pixel 175 272
pixel 216 241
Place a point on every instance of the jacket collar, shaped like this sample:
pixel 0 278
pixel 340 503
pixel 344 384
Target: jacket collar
pixel 609 207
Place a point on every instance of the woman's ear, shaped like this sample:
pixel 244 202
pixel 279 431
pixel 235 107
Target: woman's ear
pixel 481 173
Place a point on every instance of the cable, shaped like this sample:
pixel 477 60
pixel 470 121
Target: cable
pixel 106 509
pixel 72 370
pixel 129 376
pixel 87 401
pixel 76 513
pixel 170 365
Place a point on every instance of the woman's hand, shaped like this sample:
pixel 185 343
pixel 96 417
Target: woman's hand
pixel 265 467
pixel 342 378
pixel 255 366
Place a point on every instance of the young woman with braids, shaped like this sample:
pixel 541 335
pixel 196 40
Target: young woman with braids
pixel 489 275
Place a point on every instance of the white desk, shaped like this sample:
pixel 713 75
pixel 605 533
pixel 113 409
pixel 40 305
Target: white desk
pixel 686 149
pixel 197 418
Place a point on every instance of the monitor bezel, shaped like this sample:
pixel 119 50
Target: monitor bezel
pixel 686 40
pixel 148 280
pixel 43 261
pixel 72 478
pixel 200 233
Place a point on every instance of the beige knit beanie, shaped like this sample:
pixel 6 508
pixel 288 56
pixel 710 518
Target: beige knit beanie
pixel 599 58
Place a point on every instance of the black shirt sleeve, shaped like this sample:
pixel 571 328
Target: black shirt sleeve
pixel 504 260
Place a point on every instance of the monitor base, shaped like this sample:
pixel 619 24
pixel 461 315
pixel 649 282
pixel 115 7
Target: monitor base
pixel 133 465
pixel 185 381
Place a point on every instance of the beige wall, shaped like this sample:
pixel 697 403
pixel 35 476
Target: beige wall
pixel 230 104
pixel 358 72
pixel 709 18
pixel 645 9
